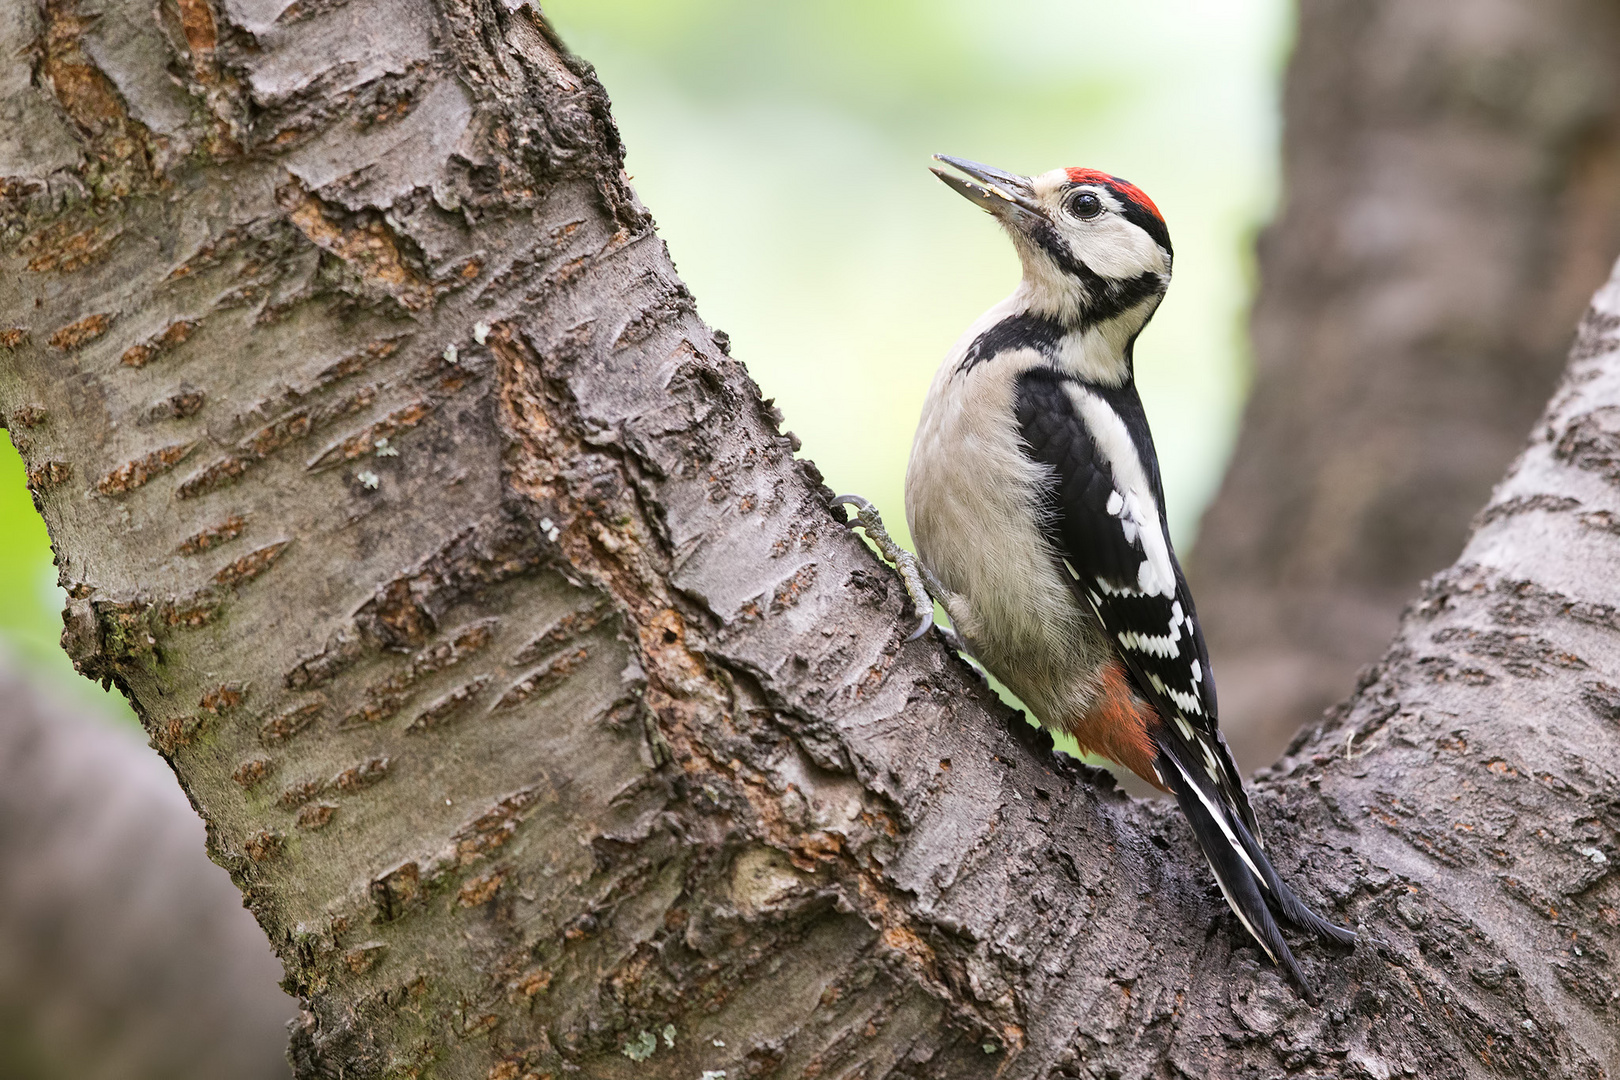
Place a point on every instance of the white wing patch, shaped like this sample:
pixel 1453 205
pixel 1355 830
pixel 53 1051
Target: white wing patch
pixel 1189 702
pixel 1158 644
pixel 1133 504
pixel 1186 702
pixel 1152 644
pixel 1132 500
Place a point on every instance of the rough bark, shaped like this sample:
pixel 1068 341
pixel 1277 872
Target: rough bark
pixel 1451 198
pixel 552 726
pixel 124 953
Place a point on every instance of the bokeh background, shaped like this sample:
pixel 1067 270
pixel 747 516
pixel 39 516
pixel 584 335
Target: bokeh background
pixel 783 149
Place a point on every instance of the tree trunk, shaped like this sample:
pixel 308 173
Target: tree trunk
pixel 1451 199
pixel 549 722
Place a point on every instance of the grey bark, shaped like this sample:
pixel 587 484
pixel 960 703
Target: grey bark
pixel 1451 198
pixel 124 953
pixel 552 726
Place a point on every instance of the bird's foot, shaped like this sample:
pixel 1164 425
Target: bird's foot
pixel 920 585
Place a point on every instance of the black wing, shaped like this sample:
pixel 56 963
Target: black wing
pixel 1116 549
pixel 1105 540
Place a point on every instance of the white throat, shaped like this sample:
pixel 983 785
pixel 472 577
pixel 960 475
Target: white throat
pixel 1096 352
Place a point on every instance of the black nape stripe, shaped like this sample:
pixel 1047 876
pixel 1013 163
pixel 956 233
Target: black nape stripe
pixel 1026 331
pixel 1120 295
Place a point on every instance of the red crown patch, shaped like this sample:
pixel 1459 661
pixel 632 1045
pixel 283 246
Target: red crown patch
pixel 1123 188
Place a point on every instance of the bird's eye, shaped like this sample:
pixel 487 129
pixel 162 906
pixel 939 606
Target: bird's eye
pixel 1085 206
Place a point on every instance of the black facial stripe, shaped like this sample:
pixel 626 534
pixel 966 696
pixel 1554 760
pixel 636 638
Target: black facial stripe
pixel 1109 297
pixel 1122 295
pixel 1042 232
pixel 1026 331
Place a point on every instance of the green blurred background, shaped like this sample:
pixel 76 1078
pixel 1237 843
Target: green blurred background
pixel 783 149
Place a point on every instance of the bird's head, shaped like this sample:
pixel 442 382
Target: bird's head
pixel 1095 249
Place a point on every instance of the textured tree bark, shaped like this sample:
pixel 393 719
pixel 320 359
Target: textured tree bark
pixel 552 726
pixel 1451 199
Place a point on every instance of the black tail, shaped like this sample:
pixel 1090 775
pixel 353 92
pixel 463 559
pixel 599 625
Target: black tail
pixel 1247 879
pixel 1290 905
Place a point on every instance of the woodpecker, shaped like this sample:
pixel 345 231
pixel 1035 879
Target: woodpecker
pixel 1036 507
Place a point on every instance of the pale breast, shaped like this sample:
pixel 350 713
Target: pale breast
pixel 970 493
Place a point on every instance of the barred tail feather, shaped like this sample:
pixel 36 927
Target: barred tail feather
pixel 1236 869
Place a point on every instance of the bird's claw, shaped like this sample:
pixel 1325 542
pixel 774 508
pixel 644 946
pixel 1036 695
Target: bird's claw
pixel 857 502
pixel 919 583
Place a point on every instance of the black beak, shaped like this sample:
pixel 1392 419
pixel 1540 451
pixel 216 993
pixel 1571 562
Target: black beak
pixel 1001 193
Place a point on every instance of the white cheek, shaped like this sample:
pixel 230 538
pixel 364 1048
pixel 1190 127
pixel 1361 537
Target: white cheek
pixel 1115 248
pixel 1051 289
